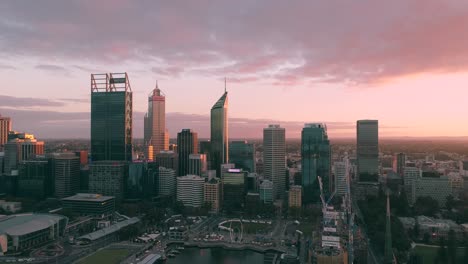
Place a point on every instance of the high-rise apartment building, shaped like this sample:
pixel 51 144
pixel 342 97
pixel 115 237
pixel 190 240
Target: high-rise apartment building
pixel 20 146
pixel 212 191
pixel 5 127
pixel 367 150
pixel 66 168
pixel 295 196
pixel 156 137
pixel 190 190
pixel 111 117
pixel 219 134
pixel 187 143
pixel 339 170
pixel 274 158
pixel 197 164
pixel 242 154
pixel 316 159
pixel 167 180
pixel 107 178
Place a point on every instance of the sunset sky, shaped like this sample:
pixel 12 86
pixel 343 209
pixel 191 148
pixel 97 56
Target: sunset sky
pixel 402 62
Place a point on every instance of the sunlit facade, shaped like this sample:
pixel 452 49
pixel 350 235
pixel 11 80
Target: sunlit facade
pixel 219 134
pixel 156 137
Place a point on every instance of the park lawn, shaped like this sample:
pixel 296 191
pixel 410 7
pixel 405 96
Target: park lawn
pixel 429 254
pixel 106 256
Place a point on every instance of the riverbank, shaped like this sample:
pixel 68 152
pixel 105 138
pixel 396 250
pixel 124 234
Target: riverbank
pixel 228 246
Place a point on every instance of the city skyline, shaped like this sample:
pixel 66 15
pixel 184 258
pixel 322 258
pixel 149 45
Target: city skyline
pixel 348 68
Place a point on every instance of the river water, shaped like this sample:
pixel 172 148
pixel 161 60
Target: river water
pixel 216 256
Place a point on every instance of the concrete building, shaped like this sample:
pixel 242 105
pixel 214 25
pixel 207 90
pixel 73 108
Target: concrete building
pixel 111 117
pixel 274 158
pixel 295 196
pixel 266 191
pixel 367 150
pixel 90 204
pixel 187 143
pixel 23 232
pixel 5 127
pixel 213 194
pixel 156 137
pixel 107 178
pixel 66 174
pixel 197 164
pixel 437 187
pixel 167 182
pixel 20 146
pixel 341 185
pixel 190 190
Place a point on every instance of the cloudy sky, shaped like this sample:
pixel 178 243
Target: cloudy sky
pixel 403 62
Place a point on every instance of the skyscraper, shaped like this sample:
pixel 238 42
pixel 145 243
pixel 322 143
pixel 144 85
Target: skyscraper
pixel 20 146
pixel 187 143
pixel 155 134
pixel 219 134
pixel 316 158
pixel 399 163
pixel 111 117
pixel 242 154
pixel 197 164
pixel 168 159
pixel 5 127
pixel 35 179
pixel 367 150
pixel 274 158
pixel 67 174
pixel 107 178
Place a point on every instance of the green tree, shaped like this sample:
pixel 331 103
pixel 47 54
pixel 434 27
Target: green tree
pixel 450 202
pixel 416 230
pixel 426 205
pixel 426 238
pixel 442 252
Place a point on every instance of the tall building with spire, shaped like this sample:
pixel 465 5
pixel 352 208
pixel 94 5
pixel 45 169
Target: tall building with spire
pixel 155 134
pixel 111 117
pixel 219 134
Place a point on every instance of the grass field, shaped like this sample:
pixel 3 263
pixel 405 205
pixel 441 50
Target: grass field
pixel 429 254
pixel 106 256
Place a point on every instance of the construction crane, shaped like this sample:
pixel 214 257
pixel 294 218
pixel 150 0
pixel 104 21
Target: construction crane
pixel 348 210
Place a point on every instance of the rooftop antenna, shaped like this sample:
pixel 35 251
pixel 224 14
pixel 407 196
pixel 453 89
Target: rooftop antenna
pixel 156 84
pixel 224 84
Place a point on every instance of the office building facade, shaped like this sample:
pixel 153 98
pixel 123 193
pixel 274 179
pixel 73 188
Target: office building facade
pixel 219 144
pixel 66 174
pixel 167 180
pixel 20 146
pixel 316 161
pixel 187 143
pixel 242 154
pixel 35 179
pixel 234 189
pixel 107 178
pixel 156 137
pixel 190 190
pixel 90 204
pixel 111 117
pixel 5 127
pixel 399 163
pixel 266 191
pixel 212 192
pixel 367 150
pixel 197 164
pixel 274 158
pixel 295 196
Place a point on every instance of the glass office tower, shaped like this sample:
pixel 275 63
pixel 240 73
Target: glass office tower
pixel 111 117
pixel 367 150
pixel 316 159
pixel 219 134
pixel 242 154
pixel 187 143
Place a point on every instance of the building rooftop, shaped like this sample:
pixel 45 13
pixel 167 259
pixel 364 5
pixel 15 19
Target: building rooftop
pixel 109 230
pixel 88 197
pixel 22 224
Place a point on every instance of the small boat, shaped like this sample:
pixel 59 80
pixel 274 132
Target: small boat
pixel 180 248
pixel 175 252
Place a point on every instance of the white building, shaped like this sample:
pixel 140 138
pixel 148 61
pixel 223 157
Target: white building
pixel 274 161
pixel 439 188
pixel 190 190
pixel 167 182
pixel 339 169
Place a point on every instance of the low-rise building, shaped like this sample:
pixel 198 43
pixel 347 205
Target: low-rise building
pixel 213 194
pixel 295 196
pixel 26 231
pixel 88 204
pixel 190 190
